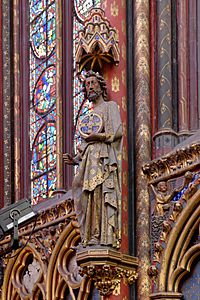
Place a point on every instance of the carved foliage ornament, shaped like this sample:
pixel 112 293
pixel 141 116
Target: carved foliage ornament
pixel 97 43
pixel 106 268
pixel 178 162
pixel 107 278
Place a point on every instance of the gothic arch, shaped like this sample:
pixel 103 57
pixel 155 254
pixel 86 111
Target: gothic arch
pixel 13 286
pixel 179 255
pixel 62 270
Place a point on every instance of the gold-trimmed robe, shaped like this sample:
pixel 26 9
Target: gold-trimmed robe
pixel 97 184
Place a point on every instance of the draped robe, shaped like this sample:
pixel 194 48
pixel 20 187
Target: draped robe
pixel 97 184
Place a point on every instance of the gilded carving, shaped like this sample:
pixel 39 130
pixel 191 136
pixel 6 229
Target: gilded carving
pixel 106 278
pixel 163 195
pixel 179 162
pixel 117 290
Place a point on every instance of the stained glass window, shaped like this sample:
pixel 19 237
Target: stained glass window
pixel 82 8
pixel 42 98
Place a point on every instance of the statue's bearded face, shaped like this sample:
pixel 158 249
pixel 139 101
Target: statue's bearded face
pixel 93 88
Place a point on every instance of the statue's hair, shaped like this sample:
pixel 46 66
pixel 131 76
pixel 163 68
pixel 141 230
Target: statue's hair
pixel 101 81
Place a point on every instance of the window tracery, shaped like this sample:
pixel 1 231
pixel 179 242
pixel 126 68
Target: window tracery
pixel 42 98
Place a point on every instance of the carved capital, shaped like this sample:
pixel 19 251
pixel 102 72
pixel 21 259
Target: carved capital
pixel 106 268
pixel 105 277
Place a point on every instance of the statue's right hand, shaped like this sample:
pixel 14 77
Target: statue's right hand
pixel 68 159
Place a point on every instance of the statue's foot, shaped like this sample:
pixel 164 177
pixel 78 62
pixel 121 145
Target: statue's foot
pixel 93 241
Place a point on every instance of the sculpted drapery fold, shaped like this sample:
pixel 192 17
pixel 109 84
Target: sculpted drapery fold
pixel 97 185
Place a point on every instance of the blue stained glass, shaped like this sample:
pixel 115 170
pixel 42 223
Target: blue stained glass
pixel 43 33
pixel 36 7
pixel 42 98
pixel 44 95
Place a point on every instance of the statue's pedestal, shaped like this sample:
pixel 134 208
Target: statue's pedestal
pixel 106 267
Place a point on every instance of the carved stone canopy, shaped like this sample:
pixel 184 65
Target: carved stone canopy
pixel 97 43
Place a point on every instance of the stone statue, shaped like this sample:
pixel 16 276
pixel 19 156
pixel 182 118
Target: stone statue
pixel 97 185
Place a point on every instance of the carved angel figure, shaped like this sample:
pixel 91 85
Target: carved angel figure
pixel 162 197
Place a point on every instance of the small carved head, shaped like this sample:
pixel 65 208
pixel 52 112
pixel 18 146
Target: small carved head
pixel 162 186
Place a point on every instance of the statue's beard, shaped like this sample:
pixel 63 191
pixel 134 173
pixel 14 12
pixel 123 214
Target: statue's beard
pixel 94 95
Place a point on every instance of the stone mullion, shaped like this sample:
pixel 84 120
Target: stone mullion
pixel 7 101
pixel 198 56
pixel 165 138
pixel 59 110
pixel 1 116
pixel 17 115
pixel 143 144
pixel 193 86
pixel 164 64
pixel 182 21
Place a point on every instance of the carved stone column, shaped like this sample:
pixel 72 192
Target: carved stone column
pixel 59 97
pixel 165 138
pixel 6 101
pixel 143 145
pixel 183 66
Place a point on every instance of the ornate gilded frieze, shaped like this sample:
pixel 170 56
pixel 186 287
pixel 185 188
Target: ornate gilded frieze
pixel 173 164
pixel 97 43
